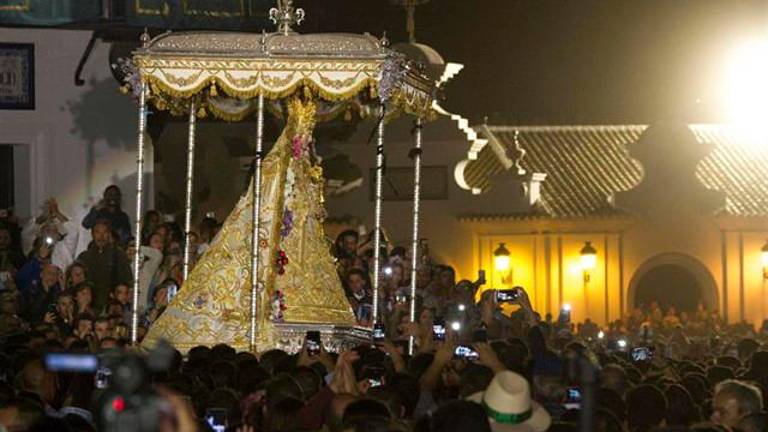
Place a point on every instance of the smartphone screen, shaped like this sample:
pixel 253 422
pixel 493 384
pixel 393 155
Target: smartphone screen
pixel 401 298
pixel 313 342
pixel 101 381
pixel 642 354
pixel 173 289
pixel 216 419
pixel 507 296
pixel 438 330
pixel 374 376
pixel 379 334
pixel 465 352
pixel 573 398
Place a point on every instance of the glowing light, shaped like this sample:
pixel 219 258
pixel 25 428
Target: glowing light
pixel 455 326
pixel 501 258
pixel 746 90
pixel 764 255
pixel 567 307
pixel 588 257
pixel 118 404
pixel 600 334
pixel 462 308
pixel 622 343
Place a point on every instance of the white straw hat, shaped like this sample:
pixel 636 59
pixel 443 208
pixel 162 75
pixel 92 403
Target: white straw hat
pixel 507 401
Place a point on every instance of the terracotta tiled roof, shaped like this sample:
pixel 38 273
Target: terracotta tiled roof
pixel 586 165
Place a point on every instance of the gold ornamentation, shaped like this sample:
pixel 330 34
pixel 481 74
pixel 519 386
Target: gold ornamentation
pixel 311 286
pixel 316 173
pixel 247 44
pixel 184 81
pixel 338 84
pixel 277 81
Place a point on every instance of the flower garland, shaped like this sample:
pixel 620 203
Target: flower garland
pixel 281 262
pixel 287 223
pixel 297 147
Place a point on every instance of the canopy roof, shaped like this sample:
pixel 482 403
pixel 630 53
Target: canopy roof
pixel 332 66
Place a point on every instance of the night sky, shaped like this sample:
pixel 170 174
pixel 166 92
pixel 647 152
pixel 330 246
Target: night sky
pixel 571 61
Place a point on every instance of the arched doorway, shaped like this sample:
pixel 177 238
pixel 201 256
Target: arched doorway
pixel 673 279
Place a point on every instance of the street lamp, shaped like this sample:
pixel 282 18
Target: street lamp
pixel 501 261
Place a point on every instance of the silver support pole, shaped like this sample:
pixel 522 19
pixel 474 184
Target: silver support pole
pixel 255 220
pixel 190 180
pixel 415 241
pixel 139 197
pixel 377 215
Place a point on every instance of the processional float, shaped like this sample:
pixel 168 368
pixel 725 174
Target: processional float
pixel 269 276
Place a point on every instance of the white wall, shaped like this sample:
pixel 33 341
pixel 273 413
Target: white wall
pixel 81 139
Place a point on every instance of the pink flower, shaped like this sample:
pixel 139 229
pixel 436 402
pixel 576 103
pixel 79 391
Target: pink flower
pixel 298 147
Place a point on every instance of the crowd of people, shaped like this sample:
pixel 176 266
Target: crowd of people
pixel 475 366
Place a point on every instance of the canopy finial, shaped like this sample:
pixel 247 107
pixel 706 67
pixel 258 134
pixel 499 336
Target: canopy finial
pixel 285 15
pixel 145 38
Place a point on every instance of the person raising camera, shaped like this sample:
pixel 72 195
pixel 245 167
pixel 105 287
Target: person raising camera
pixel 109 209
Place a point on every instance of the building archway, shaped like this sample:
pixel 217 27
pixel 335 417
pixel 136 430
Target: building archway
pixel 673 279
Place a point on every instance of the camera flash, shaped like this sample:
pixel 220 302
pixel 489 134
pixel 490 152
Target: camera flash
pixel 387 270
pixel 567 307
pixel 600 334
pixel 462 308
pixel 456 326
pixel 622 343
pixel 49 240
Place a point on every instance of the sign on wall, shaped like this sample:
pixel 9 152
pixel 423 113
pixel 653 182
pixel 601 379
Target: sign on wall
pixel 17 76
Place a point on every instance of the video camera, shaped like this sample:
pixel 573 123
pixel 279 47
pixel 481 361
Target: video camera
pixel 126 400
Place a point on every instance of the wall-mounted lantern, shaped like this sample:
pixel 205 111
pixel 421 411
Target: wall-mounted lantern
pixel 502 263
pixel 588 260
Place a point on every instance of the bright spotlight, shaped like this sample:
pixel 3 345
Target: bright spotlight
pixel 746 90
